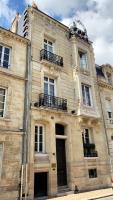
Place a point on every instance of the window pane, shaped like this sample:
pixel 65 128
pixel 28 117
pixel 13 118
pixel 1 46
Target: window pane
pixel 40 130
pixel 83 94
pixel 36 129
pixel 50 43
pixel 51 80
pixel 1 113
pixel 45 78
pixel 6 50
pixel 2 91
pixel 0 53
pixel 36 139
pixel 50 48
pixel 88 100
pixel 36 149
pixel 40 147
pixel 45 40
pixel 5 64
pixel 83 60
pixel 45 46
pixel 52 90
pixel 40 138
pixel 6 57
pixel 2 100
pixel 45 88
pixel 1 156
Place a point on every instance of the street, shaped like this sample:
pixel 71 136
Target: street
pixel 107 198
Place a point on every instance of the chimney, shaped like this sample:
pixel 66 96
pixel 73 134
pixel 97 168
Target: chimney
pixel 34 5
pixel 14 25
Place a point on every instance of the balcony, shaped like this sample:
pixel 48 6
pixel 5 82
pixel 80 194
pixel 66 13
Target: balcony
pixel 52 102
pixel 89 145
pixel 91 154
pixel 51 57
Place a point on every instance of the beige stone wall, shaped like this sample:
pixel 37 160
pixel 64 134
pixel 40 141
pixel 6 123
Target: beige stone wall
pixel 11 125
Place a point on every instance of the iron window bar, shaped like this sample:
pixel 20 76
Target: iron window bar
pixel 51 57
pixel 52 102
pixel 91 154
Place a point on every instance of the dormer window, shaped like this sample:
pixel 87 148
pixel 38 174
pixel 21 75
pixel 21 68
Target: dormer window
pixel 83 60
pixel 109 78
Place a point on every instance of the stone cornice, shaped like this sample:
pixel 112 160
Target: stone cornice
pixel 105 85
pixel 11 74
pixel 13 35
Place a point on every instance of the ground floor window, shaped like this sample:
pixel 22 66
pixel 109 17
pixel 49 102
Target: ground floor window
pixel 39 139
pixel 1 157
pixel 2 101
pixel 92 173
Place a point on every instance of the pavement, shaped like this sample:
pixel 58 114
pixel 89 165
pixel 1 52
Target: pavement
pixel 97 194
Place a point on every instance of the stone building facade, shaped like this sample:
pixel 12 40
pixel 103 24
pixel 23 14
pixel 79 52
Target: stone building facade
pixel 66 136
pixel 55 110
pixel 105 88
pixel 13 52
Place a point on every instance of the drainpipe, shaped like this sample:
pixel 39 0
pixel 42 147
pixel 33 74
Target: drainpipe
pixel 102 110
pixel 25 124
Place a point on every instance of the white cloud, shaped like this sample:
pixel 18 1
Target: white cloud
pixel 5 11
pixel 60 7
pixel 103 51
pixel 96 15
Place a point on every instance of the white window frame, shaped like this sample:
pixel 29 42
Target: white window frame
pixel 2 57
pixel 49 83
pixel 90 95
pixel 1 161
pixel 43 139
pixel 83 67
pixel 89 134
pixel 4 110
pixel 48 45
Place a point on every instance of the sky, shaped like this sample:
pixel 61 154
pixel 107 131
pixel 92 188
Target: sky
pixel 96 15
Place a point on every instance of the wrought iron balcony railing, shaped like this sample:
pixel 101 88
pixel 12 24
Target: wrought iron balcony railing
pixel 91 154
pixel 89 145
pixel 51 57
pixel 53 102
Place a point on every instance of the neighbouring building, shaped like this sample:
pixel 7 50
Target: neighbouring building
pixel 66 136
pixel 13 61
pixel 105 89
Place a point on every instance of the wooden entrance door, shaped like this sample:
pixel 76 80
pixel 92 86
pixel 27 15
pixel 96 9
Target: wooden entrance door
pixel 40 184
pixel 61 162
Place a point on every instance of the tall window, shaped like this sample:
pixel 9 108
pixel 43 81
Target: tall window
pixel 109 108
pixel 2 101
pixel 48 45
pixel 1 157
pixel 49 86
pixel 86 94
pixel 39 139
pixel 4 56
pixel 83 60
pixel 86 136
